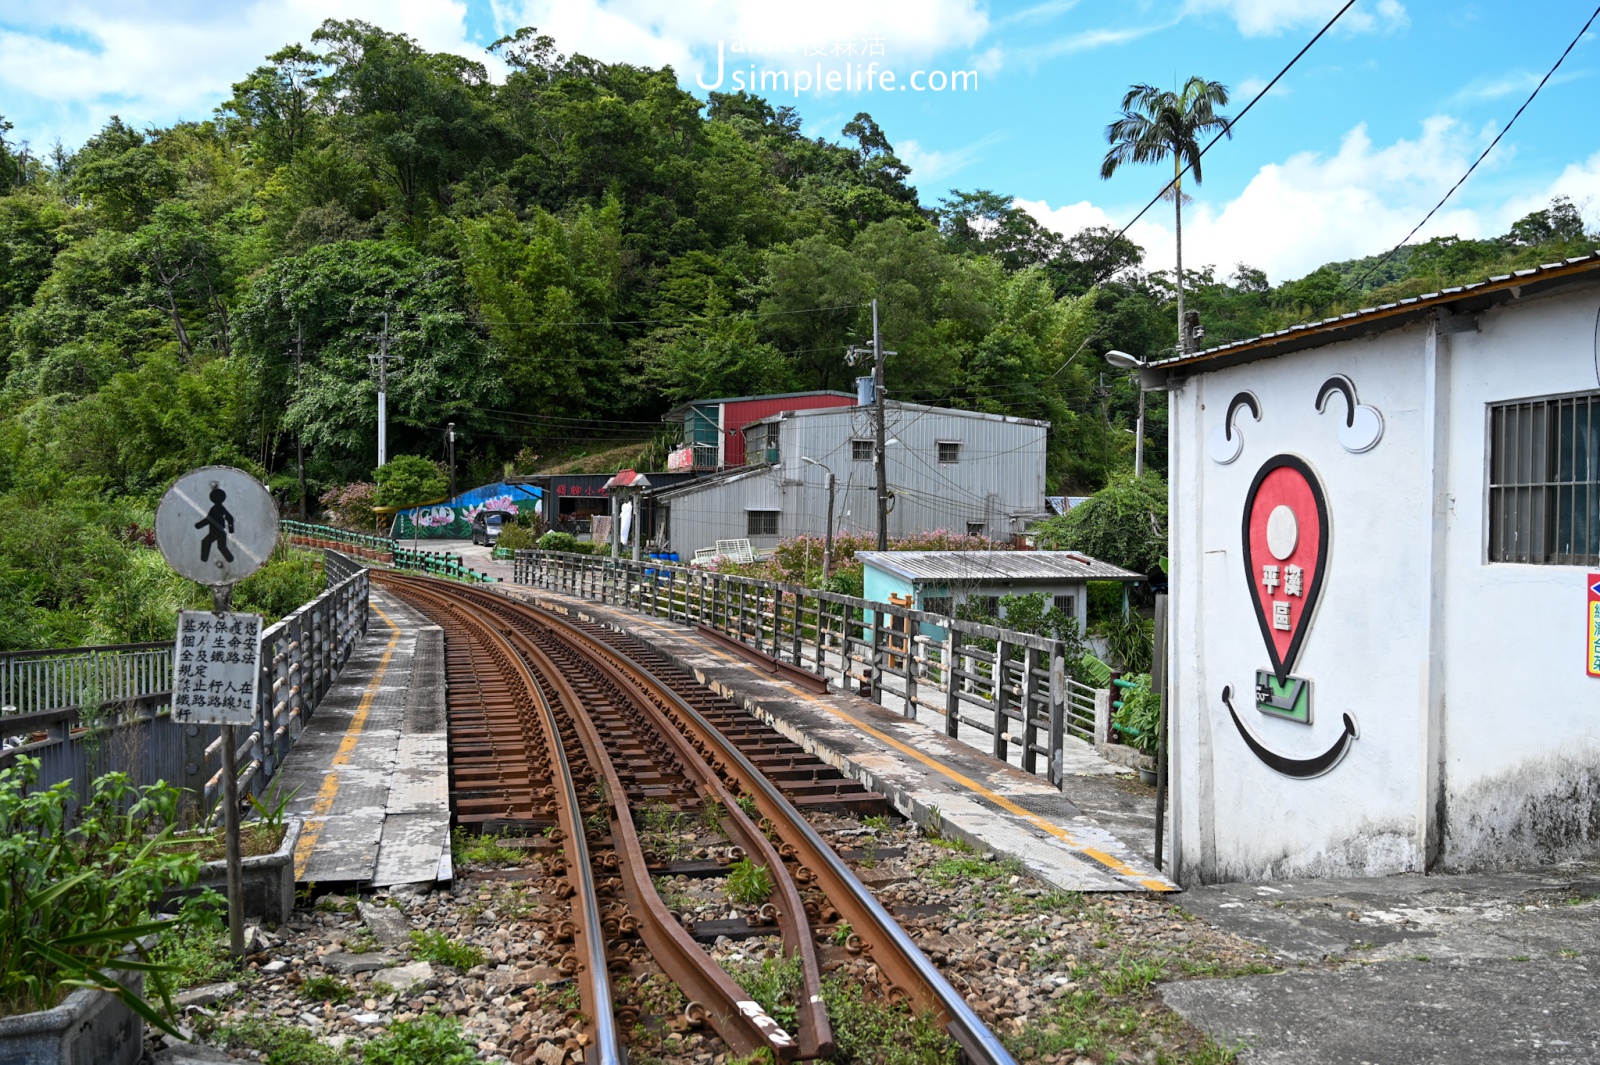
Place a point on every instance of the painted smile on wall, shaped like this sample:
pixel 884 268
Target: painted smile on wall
pixel 1285 534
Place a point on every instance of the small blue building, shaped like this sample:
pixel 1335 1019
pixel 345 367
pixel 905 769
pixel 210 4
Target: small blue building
pixel 938 581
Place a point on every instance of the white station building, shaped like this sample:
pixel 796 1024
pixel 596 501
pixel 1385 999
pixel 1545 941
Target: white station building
pixel 1385 587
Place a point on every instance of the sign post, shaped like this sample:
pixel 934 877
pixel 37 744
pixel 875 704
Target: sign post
pixel 217 525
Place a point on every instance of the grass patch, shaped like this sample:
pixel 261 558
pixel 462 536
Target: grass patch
pixel 436 946
pixel 1132 976
pixel 198 956
pixel 775 985
pixel 281 1044
pixel 748 883
pixel 255 838
pixel 960 846
pixel 950 870
pixel 324 989
pixel 872 1033
pixel 481 849
pixel 427 1040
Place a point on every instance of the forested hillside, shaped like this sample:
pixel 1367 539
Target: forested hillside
pixel 556 260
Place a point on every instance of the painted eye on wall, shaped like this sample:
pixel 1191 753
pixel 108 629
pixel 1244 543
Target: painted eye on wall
pixel 1226 441
pixel 1362 427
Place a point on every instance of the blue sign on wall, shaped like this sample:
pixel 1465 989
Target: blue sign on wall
pixel 452 520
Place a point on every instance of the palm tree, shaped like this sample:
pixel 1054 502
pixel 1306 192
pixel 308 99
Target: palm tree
pixel 1156 124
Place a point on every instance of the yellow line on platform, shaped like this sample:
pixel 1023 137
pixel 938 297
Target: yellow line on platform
pixel 330 783
pixel 1110 861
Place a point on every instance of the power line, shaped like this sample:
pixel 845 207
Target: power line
pixel 1234 121
pixel 1356 286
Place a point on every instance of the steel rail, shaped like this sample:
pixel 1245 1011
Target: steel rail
pixel 741 1022
pixel 815 1030
pixel 901 959
pixel 595 991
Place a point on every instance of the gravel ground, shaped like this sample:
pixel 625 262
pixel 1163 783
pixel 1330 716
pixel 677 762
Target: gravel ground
pixel 1061 977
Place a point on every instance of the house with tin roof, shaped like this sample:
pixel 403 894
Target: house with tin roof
pixel 1385 595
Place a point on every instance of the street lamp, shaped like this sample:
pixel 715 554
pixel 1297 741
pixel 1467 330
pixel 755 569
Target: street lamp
pixel 827 543
pixel 1123 361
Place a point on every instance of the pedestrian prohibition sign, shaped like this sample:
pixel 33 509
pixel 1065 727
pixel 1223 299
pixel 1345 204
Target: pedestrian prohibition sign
pixel 216 525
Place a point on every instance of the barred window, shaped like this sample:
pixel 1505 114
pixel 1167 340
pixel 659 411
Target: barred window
pixel 761 523
pixel 975 528
pixel 861 450
pixel 1544 481
pixel 949 450
pixel 1067 604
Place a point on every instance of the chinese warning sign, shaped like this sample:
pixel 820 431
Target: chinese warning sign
pixel 1593 626
pixel 218 661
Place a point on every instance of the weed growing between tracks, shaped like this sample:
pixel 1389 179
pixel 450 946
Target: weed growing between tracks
pixel 470 850
pixel 436 946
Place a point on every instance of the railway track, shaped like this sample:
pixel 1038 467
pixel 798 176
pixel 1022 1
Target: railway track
pixel 566 729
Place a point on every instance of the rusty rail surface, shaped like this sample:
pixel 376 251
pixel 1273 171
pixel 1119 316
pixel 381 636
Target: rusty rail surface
pixel 605 1046
pixel 566 648
pixel 714 996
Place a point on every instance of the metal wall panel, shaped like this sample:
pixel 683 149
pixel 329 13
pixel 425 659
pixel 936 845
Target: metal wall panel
pixel 1000 473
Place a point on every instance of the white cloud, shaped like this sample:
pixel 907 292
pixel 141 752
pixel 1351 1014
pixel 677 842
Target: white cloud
pixel 1246 90
pixel 1310 209
pixel 933 166
pixel 685 32
pixel 1258 18
pixel 155 62
pixel 1579 182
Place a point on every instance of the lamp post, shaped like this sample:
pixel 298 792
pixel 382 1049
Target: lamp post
pixel 1123 361
pixel 827 542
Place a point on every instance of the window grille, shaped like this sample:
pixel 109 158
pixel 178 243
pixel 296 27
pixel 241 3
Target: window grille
pixel 1544 481
pixel 761 523
pixel 975 528
pixel 938 604
pixel 1068 605
pixel 861 450
pixel 949 451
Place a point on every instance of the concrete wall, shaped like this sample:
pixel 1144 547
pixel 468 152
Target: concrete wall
pixel 1477 728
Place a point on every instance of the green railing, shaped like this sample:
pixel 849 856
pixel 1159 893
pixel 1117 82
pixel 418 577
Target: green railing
pixel 312 531
pixel 438 564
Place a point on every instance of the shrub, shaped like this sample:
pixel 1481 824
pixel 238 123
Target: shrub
pixel 427 1040
pixel 1139 717
pixel 75 891
pixel 407 480
pixel 350 506
pixel 1125 523
pixel 556 541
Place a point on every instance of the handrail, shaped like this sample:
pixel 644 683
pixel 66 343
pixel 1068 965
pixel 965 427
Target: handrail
pixel 1012 687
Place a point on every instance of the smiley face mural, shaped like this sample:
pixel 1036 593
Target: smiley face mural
pixel 1286 536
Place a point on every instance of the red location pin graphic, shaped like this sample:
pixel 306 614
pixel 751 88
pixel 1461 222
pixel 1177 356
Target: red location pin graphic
pixel 1285 554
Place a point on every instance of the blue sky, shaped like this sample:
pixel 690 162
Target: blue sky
pixel 1341 160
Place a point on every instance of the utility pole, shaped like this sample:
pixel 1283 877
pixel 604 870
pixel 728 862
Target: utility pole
pixel 827 542
pixel 450 450
pixel 299 441
pixel 882 464
pixel 382 359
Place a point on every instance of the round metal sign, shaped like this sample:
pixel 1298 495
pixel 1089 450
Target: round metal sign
pixel 217 525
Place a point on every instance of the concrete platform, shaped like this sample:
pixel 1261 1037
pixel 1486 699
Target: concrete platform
pixel 372 765
pixel 925 774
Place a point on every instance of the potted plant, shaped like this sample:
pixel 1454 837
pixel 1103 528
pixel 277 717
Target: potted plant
pixel 266 845
pixel 77 892
pixel 1138 720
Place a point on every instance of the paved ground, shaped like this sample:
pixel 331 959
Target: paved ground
pixel 1501 967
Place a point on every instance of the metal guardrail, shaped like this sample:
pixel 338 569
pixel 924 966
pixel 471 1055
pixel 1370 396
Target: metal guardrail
pixel 33 681
pixel 1011 687
pixel 133 731
pixel 315 535
pixel 438 564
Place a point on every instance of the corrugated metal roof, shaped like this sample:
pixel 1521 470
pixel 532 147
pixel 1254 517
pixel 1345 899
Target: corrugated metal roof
pixel 1472 297
pixel 996 566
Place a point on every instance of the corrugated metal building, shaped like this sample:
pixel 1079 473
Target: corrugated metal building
pixel 958 470
pixel 939 581
pixel 714 429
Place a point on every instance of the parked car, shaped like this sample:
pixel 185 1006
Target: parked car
pixel 486 528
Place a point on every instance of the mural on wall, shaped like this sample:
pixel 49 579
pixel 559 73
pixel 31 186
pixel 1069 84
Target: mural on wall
pixel 453 520
pixel 1286 534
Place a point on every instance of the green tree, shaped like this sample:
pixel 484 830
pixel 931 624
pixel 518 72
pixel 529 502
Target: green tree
pixel 408 480
pixel 1125 524
pixel 1157 124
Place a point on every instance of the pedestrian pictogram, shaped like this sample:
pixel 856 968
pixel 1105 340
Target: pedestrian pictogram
pixel 217 525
